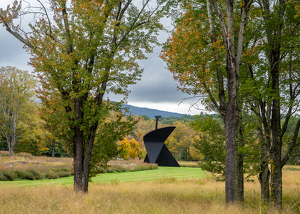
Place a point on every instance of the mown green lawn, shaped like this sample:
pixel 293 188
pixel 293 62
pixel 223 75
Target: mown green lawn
pixel 147 175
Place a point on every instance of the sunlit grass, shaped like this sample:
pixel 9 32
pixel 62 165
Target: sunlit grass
pixel 160 196
pixel 147 175
pixel 163 190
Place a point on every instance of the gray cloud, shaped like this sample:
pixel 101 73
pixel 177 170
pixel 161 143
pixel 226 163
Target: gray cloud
pixel 157 87
pixel 12 52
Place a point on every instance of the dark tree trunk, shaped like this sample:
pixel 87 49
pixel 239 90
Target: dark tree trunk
pixel 240 168
pixel 275 150
pixel 273 33
pixel 78 149
pixel 275 158
pixel 82 155
pixel 231 134
pixel 264 175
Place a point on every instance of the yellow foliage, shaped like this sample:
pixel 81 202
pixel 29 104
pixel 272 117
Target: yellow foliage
pixel 134 149
pixel 195 153
pixel 129 148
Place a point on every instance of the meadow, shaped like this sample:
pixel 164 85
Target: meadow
pixel 162 190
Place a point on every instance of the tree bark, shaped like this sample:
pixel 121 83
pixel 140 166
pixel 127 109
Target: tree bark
pixel 264 175
pixel 230 172
pixel 78 149
pixel 53 148
pixel 240 166
pixel 179 154
pixel 233 70
pixel 274 33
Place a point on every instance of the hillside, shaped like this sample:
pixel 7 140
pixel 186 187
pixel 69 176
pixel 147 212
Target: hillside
pixel 151 113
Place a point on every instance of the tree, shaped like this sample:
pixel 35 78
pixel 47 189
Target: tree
pixel 128 148
pixel 273 78
pixel 142 128
pixel 87 49
pixel 16 96
pixel 180 139
pixel 124 149
pixel 210 142
pixel 134 149
pixel 195 154
pixel 204 55
pixel 33 137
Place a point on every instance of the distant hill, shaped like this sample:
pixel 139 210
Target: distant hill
pixel 151 113
pixel 139 111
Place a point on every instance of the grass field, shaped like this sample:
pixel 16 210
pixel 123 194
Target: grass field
pixel 148 175
pixel 162 190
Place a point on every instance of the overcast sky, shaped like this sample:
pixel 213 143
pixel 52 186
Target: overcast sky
pixel 156 90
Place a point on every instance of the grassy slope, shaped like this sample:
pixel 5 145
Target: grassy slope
pixel 148 175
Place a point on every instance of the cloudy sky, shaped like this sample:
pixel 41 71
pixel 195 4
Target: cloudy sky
pixel 156 90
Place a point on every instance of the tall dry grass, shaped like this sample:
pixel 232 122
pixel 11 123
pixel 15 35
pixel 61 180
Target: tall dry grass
pixel 27 166
pixel 166 195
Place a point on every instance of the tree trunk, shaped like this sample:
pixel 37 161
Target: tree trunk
pixel 276 181
pixel 230 129
pixel 275 156
pixel 11 141
pixel 78 150
pixel 10 146
pixel 273 33
pixel 264 175
pixel 240 167
pixel 179 154
pixel 53 148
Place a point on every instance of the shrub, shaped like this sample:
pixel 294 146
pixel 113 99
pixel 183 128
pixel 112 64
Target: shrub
pixel 63 174
pixel 2 177
pixel 35 173
pixel 61 169
pixel 118 168
pixel 10 175
pixel 51 175
pixel 110 169
pixel 22 174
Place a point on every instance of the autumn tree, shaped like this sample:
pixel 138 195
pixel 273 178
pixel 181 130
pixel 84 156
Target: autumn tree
pixel 128 148
pixel 16 97
pixel 141 129
pixel 180 139
pixel 273 78
pixel 204 54
pixel 124 149
pixel 267 74
pixel 33 137
pixel 134 148
pixel 81 50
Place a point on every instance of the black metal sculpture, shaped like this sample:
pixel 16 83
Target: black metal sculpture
pixel 157 152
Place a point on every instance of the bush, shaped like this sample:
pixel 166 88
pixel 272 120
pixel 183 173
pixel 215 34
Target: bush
pixel 10 175
pixel 35 173
pixel 22 174
pixel 63 174
pixel 51 175
pixel 61 169
pixel 2 177
pixel 118 168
